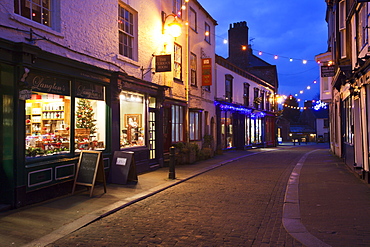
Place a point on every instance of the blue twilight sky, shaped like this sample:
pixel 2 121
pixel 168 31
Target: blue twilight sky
pixel 287 28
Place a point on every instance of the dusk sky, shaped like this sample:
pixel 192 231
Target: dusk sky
pixel 287 28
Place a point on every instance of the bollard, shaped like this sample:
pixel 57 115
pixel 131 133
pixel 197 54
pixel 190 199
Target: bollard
pixel 171 174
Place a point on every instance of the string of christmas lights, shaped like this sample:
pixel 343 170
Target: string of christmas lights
pixel 260 53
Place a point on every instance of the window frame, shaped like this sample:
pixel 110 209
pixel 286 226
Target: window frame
pixel 193 22
pixel 126 32
pixel 193 70
pixel 262 96
pixel 229 88
pixel 177 62
pixel 207 28
pixel 195 125
pixel 342 28
pixel 348 113
pixel 177 10
pixel 18 9
pixel 362 33
pixel 256 95
pixel 177 126
pixel 246 89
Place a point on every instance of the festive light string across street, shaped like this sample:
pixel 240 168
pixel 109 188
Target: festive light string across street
pixel 275 56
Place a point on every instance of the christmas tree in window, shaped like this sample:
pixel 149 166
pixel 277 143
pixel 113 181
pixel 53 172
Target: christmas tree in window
pixel 85 116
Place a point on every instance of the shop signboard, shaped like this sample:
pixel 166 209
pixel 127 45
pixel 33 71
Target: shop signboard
pixel 206 72
pixel 327 71
pixel 163 63
pixel 89 90
pixel 45 83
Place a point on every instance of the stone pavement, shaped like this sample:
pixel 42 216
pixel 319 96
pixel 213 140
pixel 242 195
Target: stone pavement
pixel 333 202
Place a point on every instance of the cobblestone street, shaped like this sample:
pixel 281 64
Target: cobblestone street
pixel 239 204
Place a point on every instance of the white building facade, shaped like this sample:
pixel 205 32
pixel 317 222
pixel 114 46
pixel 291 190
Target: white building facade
pixel 348 46
pixel 105 77
pixel 246 108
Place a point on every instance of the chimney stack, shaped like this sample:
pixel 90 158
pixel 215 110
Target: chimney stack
pixel 238 37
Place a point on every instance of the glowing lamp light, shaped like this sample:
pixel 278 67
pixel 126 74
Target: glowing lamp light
pixel 276 57
pixel 174 28
pixel 260 53
pixel 290 59
pixel 206 33
pixel 225 41
pixel 308 87
pixel 315 81
pixel 279 99
pixel 301 92
pixel 183 7
pixel 244 47
pixel 304 61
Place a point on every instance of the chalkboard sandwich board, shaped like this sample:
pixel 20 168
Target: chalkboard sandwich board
pixel 90 169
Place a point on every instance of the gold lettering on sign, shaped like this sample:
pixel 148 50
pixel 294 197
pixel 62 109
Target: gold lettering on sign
pixel 38 83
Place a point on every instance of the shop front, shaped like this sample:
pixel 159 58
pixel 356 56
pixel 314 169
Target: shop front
pixel 137 118
pixel 241 128
pixel 234 126
pixel 53 107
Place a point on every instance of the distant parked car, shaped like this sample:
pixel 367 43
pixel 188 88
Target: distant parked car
pixel 320 139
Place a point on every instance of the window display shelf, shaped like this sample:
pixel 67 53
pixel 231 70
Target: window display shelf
pixel 45 116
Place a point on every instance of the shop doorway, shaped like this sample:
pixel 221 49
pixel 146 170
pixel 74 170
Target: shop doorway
pixel 152 134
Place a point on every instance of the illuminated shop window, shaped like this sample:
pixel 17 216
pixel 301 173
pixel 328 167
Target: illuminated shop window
pixel 132 119
pixel 90 121
pixel 226 129
pixel 52 118
pixel 47 124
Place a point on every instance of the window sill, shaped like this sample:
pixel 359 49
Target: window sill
pixel 178 81
pixel 36 25
pixel 127 60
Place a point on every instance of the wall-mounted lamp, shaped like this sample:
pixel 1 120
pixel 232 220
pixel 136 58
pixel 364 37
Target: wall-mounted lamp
pixel 174 28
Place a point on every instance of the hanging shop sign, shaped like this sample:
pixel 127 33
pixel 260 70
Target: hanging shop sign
pixel 327 71
pixel 89 90
pixel 163 63
pixel 48 84
pixel 206 71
